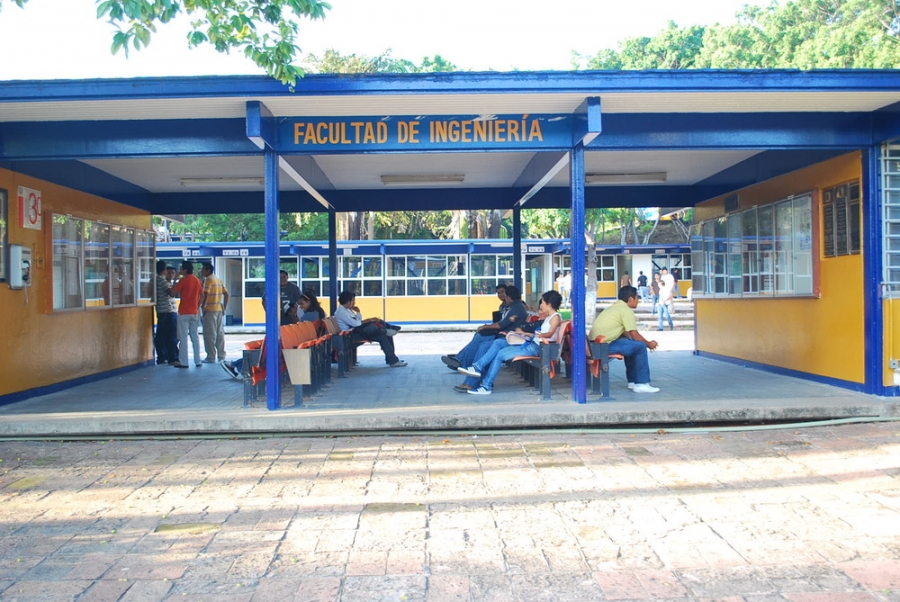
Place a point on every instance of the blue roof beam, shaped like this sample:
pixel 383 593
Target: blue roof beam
pixel 260 125
pixel 121 139
pixel 710 131
pixel 587 124
pixel 293 174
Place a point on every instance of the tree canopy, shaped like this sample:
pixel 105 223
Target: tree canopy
pixel 266 31
pixel 799 34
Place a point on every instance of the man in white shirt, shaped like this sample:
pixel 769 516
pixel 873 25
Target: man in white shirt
pixel 349 317
pixel 666 292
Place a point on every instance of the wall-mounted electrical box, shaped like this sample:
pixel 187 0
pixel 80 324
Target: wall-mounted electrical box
pixel 19 266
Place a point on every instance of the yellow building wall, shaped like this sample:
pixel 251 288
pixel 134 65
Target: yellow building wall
pixel 822 336
pixel 891 339
pixel 482 307
pixel 607 290
pixel 427 309
pixel 43 348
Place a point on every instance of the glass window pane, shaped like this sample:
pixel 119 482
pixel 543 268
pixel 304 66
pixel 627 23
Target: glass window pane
pixel 437 267
pixel 396 288
pixel 372 267
pixel 415 287
pixel 456 286
pixel 372 288
pixel 255 268
pixel 145 266
pixel 437 287
pixel 96 265
pixel 396 267
pixel 67 247
pixel 122 278
pixel 309 267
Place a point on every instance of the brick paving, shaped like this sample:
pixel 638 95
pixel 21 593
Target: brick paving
pixel 797 514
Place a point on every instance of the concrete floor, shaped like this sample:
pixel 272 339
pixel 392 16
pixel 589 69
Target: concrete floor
pixel 694 389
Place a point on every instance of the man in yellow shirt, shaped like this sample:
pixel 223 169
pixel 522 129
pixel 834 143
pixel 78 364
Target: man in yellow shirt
pixel 213 301
pixel 618 326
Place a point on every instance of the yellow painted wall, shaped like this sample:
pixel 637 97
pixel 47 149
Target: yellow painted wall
pixel 482 307
pixel 42 348
pixel 427 309
pixel 823 336
pixel 891 339
pixel 607 290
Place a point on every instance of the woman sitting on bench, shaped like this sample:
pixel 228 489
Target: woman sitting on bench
pixel 501 351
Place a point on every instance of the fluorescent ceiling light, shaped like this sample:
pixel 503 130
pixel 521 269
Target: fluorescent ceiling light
pixel 417 179
pixel 625 178
pixel 220 182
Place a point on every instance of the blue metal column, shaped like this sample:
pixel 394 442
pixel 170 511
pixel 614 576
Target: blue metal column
pixel 273 284
pixel 517 248
pixel 576 234
pixel 873 253
pixel 332 260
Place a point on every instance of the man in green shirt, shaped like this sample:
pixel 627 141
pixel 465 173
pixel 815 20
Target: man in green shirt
pixel 618 326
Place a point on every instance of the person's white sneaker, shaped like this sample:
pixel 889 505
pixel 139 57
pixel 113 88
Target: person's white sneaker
pixel 644 388
pixel 479 391
pixel 469 372
pixel 631 386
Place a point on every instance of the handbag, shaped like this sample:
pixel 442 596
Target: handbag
pixel 518 338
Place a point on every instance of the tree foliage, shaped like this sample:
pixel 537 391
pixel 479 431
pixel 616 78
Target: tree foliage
pixel 335 62
pixel 800 34
pixel 266 31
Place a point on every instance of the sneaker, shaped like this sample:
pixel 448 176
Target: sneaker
pixel 208 361
pixel 232 372
pixel 644 388
pixel 390 331
pixel 471 371
pixel 399 364
pixel 479 391
pixel 462 388
pixel 451 362
pixel 393 327
pixel 177 365
pixel 631 386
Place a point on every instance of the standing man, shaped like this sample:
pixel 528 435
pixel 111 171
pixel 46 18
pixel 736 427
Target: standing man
pixel 666 290
pixel 189 288
pixel 290 296
pixel 214 300
pixel 643 291
pixel 166 319
pixel 618 326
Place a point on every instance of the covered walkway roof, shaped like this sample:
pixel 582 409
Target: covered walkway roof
pixel 181 145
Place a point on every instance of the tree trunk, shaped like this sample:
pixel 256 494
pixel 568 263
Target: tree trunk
pixel 370 227
pixel 494 228
pixel 590 278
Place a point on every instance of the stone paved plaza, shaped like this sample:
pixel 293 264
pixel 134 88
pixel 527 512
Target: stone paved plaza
pixel 802 514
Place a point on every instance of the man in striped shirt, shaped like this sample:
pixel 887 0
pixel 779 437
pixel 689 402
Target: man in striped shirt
pixel 166 319
pixel 213 301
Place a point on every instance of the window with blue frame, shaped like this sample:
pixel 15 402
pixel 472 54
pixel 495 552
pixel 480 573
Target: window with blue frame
pixel 760 252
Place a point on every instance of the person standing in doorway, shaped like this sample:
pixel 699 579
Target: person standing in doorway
pixel 166 319
pixel 625 280
pixel 666 287
pixel 643 291
pixel 213 301
pixel 189 288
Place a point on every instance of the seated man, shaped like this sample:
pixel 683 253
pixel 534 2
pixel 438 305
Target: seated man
pixel 619 327
pixel 349 317
pixel 514 313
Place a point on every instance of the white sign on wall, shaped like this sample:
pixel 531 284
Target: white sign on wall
pixel 29 208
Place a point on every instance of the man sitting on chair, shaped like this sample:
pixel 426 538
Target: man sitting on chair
pixel 618 326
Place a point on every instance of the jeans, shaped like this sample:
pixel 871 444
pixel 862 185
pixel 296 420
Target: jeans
pixel 214 334
pixel 468 354
pixel 665 313
pixel 498 354
pixel 386 342
pixel 187 327
pixel 166 337
pixel 655 308
pixel 637 365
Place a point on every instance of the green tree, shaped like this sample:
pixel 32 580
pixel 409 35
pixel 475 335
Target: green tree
pixel 266 31
pixel 798 34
